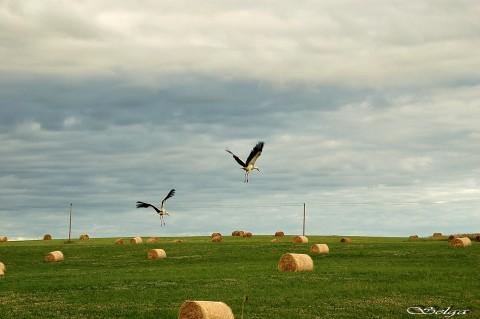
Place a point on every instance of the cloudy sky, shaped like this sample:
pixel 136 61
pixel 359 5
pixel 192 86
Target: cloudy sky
pixel 370 113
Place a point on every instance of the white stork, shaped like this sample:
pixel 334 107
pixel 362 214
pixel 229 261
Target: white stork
pixel 249 165
pixel 162 211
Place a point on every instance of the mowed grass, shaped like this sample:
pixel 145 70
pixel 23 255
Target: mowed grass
pixel 369 278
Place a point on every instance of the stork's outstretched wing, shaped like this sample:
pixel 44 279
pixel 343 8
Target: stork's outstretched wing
pixel 255 153
pixel 239 161
pixel 146 205
pixel 170 194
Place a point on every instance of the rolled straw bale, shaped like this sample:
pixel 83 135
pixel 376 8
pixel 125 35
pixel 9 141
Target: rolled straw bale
pixel 119 241
pixel 177 241
pixel 319 249
pixel 346 240
pixel 136 240
pixel 3 238
pixel 236 233
pixel 247 234
pixel 241 233
pixel 3 267
pixel 47 237
pixel 152 240
pixel 413 237
pixel 275 240
pixel 2 273
pixel 54 256
pixel 217 239
pixel 300 239
pixel 437 235
pixel 295 262
pixel 84 237
pixel 156 254
pixel 279 233
pixel 216 234
pixel 192 309
pixel 461 242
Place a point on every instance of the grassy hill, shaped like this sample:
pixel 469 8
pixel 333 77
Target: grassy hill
pixel 369 278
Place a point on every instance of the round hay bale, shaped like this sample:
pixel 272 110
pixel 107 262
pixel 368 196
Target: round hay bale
pixel 136 240
pixel 156 254
pixel 2 273
pixel 236 233
pixel 247 234
pixel 216 239
pixel 192 309
pixel 119 241
pixel 275 240
pixel 84 237
pixel 319 249
pixel 241 233
pixel 3 238
pixel 152 240
pixel 3 267
pixel 295 262
pixel 461 242
pixel 346 240
pixel 54 256
pixel 216 234
pixel 437 235
pixel 177 241
pixel 413 237
pixel 47 237
pixel 279 233
pixel 300 239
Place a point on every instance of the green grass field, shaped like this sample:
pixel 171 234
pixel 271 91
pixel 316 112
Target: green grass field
pixel 369 278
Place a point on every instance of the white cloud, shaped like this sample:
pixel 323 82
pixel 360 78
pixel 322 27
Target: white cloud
pixel 368 43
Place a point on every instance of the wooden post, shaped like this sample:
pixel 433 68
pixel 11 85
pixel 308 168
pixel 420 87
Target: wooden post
pixel 303 219
pixel 70 224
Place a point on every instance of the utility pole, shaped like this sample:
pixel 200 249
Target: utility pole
pixel 303 219
pixel 70 224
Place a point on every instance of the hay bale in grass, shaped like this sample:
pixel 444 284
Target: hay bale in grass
pixel 413 237
pixel 84 237
pixel 54 256
pixel 2 273
pixel 3 267
pixel 279 233
pixel 156 254
pixel 319 249
pixel 295 262
pixel 275 240
pixel 241 233
pixel 346 240
pixel 177 241
pixel 47 237
pixel 300 239
pixel 216 239
pixel 437 235
pixel 247 234
pixel 119 241
pixel 3 238
pixel 136 240
pixel 192 309
pixel 216 234
pixel 152 240
pixel 461 242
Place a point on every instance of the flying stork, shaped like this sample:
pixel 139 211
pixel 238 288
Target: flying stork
pixel 249 165
pixel 162 211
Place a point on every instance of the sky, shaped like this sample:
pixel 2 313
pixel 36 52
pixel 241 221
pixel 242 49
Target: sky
pixel 369 110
